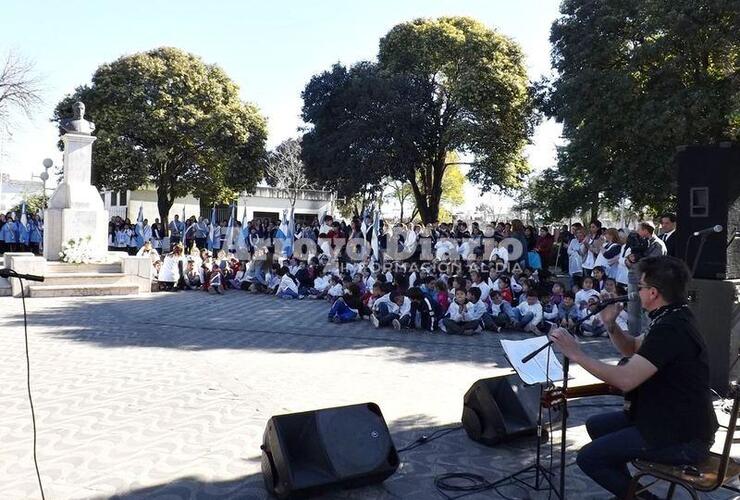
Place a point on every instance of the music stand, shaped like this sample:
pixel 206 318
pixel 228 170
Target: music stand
pixel 540 472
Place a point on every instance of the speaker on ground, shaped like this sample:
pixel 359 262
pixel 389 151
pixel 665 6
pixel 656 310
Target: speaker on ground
pixel 501 408
pixel 307 453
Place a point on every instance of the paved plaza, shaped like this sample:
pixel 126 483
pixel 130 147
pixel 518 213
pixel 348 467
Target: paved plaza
pixel 167 396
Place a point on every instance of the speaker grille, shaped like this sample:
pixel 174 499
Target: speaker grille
pixel 355 438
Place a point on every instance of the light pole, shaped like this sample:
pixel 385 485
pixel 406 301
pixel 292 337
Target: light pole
pixel 47 163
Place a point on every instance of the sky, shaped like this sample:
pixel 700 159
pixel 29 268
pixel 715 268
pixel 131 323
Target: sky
pixel 270 49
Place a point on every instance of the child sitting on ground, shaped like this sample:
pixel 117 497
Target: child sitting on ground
pixel 457 320
pixel 288 286
pixel 215 280
pixel 528 314
pixel 568 311
pixel 347 307
pixel 425 311
pixel 500 312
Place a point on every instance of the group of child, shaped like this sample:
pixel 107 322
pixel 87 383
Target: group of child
pixel 470 302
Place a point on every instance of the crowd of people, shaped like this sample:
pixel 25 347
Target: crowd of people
pixel 454 278
pixel 17 235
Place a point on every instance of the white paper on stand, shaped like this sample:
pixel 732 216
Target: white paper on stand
pixel 536 370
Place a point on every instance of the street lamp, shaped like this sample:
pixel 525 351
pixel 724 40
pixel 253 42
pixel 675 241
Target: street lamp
pixel 44 176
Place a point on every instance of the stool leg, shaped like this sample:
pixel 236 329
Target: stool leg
pixel 634 484
pixel 671 491
pixel 691 491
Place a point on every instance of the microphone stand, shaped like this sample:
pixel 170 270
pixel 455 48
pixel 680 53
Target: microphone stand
pixel 698 253
pixel 564 408
pixel 9 273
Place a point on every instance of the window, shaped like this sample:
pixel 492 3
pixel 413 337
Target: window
pixel 699 202
pixel 113 198
pixel 122 195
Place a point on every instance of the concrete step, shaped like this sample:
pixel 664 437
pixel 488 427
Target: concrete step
pixel 37 291
pixel 63 267
pixel 5 288
pixel 84 279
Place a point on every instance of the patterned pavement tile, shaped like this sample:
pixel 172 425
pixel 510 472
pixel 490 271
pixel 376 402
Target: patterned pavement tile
pixel 166 396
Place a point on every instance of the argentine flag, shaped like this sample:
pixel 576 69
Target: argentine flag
pixel 229 241
pixel 23 232
pixel 374 239
pixel 211 231
pixel 140 227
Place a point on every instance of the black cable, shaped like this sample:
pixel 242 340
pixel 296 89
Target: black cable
pixel 424 439
pixel 28 386
pixel 475 484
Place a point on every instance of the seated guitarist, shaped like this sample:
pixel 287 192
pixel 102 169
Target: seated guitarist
pixel 670 419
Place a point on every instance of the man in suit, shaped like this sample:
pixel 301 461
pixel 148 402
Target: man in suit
pixel 668 232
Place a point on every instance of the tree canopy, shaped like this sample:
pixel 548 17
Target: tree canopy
pixel 439 86
pixel 165 117
pixel 634 80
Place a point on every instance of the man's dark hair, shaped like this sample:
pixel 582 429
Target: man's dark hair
pixel 569 294
pixel 668 275
pixel 475 292
pixel 533 293
pixel 671 217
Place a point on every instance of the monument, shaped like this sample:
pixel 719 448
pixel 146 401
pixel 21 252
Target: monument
pixel 76 209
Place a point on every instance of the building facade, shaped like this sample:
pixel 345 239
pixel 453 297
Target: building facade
pixel 265 202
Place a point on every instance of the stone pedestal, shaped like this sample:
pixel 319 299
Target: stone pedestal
pixel 76 208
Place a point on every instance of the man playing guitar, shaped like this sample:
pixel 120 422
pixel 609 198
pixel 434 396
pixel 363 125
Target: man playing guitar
pixel 670 419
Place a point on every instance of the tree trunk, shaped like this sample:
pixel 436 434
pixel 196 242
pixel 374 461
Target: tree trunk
pixel 164 204
pixel 594 209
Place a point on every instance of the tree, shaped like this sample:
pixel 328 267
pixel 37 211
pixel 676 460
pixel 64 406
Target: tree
pixel 20 88
pixel 634 80
pixel 165 117
pixel 35 203
pixel 285 170
pixel 439 86
pixel 400 192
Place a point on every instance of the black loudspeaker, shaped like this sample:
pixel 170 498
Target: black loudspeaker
pixel 500 408
pixel 715 306
pixel 709 195
pixel 307 453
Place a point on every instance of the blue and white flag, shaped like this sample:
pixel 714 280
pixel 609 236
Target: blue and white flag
pixel 140 227
pixel 211 231
pixel 23 232
pixel 374 239
pixel 229 241
pixel 282 230
pixel 289 236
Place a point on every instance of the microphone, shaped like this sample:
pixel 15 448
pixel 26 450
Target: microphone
pixel 622 298
pixel 709 230
pixel 9 273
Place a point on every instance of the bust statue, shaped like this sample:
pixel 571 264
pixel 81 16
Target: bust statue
pixel 78 124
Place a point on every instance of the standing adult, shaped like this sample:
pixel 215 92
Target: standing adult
pixel 648 245
pixel 594 241
pixel 668 233
pixel 177 228
pixel 201 232
pixel 517 233
pixel 157 235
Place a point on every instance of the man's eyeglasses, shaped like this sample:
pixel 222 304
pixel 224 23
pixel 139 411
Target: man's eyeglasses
pixel 640 286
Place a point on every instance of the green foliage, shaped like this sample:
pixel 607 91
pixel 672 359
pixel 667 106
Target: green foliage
pixel 35 203
pixel 439 86
pixel 634 80
pixel 165 117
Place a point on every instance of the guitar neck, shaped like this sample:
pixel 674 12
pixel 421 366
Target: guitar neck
pixel 584 391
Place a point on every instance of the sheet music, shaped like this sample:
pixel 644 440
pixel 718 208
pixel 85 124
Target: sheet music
pixel 536 370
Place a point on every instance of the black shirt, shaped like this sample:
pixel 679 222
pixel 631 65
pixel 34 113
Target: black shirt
pixel 674 405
